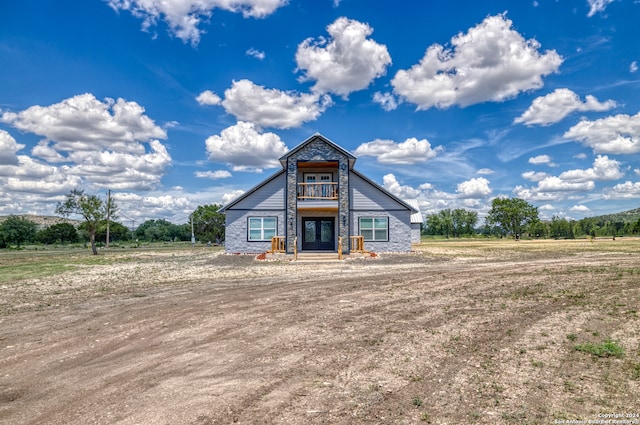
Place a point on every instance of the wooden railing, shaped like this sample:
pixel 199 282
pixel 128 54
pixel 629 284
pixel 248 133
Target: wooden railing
pixel 278 244
pixel 340 247
pixel 357 244
pixel 295 248
pixel 308 191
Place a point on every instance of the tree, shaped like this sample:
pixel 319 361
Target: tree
pixel 561 228
pixel 208 223
pixel 93 209
pixel 464 222
pixel 117 232
pixel 58 233
pixel 511 214
pixel 17 230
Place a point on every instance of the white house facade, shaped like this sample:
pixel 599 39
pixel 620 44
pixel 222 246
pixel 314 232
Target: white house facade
pixel 318 202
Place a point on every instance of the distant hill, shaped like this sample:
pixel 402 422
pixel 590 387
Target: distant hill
pixel 44 220
pixel 625 216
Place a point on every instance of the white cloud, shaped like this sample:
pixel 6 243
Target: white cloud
pixel 34 177
pixel 346 62
pixel 596 6
pixel 184 16
pixel 555 106
pixel 547 207
pixel 122 171
pixel 542 159
pixel 579 208
pixel 603 169
pixel 485 171
pixel 8 149
pixel 230 196
pixel 386 100
pixel 208 97
pixel 255 53
pixel 84 123
pixel 273 108
pixel 637 171
pixel 474 188
pixel 105 144
pixel 390 183
pixel 245 149
pixel 626 190
pixel 411 151
pixel 554 188
pixel 633 67
pixel 618 134
pixel 534 176
pixel 491 62
pixel 556 184
pixel 213 175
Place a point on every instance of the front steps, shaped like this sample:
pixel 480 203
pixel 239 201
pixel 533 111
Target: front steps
pixel 317 257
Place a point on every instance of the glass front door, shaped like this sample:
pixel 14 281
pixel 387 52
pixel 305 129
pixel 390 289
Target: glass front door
pixel 318 233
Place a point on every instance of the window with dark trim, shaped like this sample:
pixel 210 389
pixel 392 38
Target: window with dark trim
pixel 374 228
pixel 262 228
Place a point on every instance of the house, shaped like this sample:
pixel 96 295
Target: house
pixel 317 202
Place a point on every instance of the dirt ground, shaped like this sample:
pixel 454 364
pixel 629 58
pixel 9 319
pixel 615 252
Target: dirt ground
pixel 457 333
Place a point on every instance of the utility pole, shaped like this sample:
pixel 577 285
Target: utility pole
pixel 193 237
pixel 108 216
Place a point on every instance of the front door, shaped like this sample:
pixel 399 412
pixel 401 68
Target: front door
pixel 318 233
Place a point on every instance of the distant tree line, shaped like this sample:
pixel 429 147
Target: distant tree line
pixel 514 217
pixel 206 221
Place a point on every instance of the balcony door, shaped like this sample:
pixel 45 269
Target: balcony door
pixel 316 186
pixel 318 233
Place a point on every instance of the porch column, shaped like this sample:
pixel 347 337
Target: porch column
pixel 292 202
pixel 343 203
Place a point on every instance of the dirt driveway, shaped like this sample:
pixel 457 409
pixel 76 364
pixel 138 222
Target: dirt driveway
pixel 456 334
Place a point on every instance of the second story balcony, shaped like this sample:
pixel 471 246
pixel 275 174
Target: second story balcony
pixel 327 191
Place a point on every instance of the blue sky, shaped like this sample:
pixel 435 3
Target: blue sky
pixel 178 103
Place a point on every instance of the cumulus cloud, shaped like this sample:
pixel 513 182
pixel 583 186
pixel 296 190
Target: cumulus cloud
pixel 213 175
pixel 230 196
pixel 541 159
pixel 85 123
pixel 245 149
pixel 553 188
pixel 386 100
pixel 390 183
pixel 106 144
pixel 271 107
pixel 556 184
pixel 411 151
pixel 626 190
pixel 184 16
pixel 208 97
pixel 579 208
pixel 555 106
pixel 474 188
pixel 8 149
pixel 603 169
pixel 534 176
pixel 596 6
pixel 345 62
pixel 491 62
pixel 619 134
pixel 633 67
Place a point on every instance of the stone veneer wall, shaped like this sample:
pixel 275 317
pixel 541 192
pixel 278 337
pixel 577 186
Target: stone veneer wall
pixel 317 150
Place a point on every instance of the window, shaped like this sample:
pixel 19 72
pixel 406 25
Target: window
pixel 374 228
pixel 262 228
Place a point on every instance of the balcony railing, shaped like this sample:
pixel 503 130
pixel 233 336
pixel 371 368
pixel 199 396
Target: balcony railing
pixel 309 191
